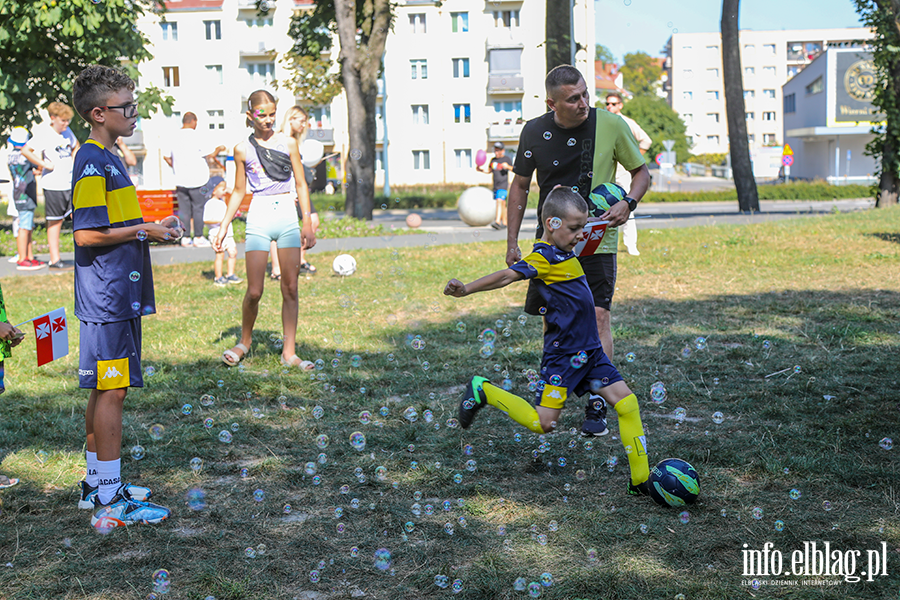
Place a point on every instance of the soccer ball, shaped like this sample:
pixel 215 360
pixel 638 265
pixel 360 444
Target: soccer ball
pixel 674 482
pixel 603 196
pixel 344 265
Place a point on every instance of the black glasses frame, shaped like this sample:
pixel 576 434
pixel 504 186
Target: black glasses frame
pixel 126 109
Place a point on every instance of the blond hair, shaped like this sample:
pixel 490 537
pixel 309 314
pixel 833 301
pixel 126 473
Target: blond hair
pixel 61 110
pixel 286 125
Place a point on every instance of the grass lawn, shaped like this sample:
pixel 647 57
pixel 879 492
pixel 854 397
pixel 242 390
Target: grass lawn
pixel 801 321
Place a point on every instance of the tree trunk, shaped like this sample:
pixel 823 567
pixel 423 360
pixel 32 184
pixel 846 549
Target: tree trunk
pixel 742 169
pixel 360 65
pixel 889 185
pixel 558 33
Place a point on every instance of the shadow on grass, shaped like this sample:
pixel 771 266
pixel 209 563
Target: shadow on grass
pixel 816 429
pixel 887 237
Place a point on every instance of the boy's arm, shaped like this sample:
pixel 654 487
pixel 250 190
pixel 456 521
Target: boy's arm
pixel 488 282
pixel 36 160
pixel 110 236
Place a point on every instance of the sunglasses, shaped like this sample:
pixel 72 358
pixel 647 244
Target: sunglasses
pixel 613 103
pixel 128 110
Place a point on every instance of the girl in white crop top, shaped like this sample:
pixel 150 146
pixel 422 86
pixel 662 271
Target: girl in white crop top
pixel 272 217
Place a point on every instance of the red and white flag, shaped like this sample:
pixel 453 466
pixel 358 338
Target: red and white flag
pixel 593 235
pixel 51 333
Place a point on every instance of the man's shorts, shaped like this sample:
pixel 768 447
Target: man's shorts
pixel 563 374
pixel 110 355
pixel 26 219
pixel 57 204
pixel 501 194
pixel 600 270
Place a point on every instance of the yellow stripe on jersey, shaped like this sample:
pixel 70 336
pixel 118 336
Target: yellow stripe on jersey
pixel 89 192
pixel 567 270
pixel 122 205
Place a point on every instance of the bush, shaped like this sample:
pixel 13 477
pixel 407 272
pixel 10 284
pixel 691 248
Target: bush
pixel 799 190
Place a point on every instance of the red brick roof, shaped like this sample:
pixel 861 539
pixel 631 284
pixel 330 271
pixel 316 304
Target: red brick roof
pixel 605 77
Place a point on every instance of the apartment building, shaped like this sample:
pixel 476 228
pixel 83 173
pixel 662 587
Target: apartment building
pixel 696 91
pixel 459 75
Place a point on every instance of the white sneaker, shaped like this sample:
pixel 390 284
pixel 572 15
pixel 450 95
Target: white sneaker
pixel 14 259
pixel 200 242
pixel 634 252
pixel 186 242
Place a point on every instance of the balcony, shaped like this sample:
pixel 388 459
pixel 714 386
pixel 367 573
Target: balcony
pixel 326 136
pixel 256 49
pixel 506 84
pixel 252 5
pixel 502 132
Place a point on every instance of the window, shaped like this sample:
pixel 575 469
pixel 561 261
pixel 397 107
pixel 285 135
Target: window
pixel 768 48
pixel 420 114
pixel 421 160
pixel 687 95
pixel 712 95
pixel 815 87
pixel 216 119
pixel 769 71
pixel 506 18
pixel 506 61
pixel 379 160
pixel 686 48
pixel 769 94
pixel 213 30
pixel 769 139
pixel 712 117
pixel 419 68
pixel 417 22
pixel 749 49
pixel 750 138
pixel 169 31
pixel 687 118
pixel 769 116
pixel 713 139
pixel 790 103
pixel 712 48
pixel 749 116
pixel 265 22
pixel 712 73
pixel 460 67
pixel 320 117
pixel 261 74
pixel 175 119
pixel 749 94
pixel 463 158
pixel 214 74
pixel 793 70
pixel 508 111
pixel 749 71
pixel 170 77
pixel 459 22
pixel 687 73
pixel 462 113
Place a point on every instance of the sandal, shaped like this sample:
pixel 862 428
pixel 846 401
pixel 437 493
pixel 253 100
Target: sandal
pixel 232 358
pixel 275 276
pixel 307 268
pixel 6 482
pixel 294 361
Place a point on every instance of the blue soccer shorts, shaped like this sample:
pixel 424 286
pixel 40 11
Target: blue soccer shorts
pixel 573 373
pixel 110 355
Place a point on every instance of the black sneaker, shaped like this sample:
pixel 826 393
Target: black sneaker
pixel 594 418
pixel 60 265
pixel 473 400
pixel 641 489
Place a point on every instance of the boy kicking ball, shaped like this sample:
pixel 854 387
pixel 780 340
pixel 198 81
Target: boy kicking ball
pixel 113 289
pixel 573 358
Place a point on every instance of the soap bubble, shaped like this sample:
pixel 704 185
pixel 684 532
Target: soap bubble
pixel 700 343
pixel 757 513
pixel 448 528
pixel 207 400
pixel 287 509
pixel 686 352
pixel 886 443
pixel 592 554
pixel 520 584
pixel 186 409
pixel 553 526
pixel 779 525
pixel 718 417
pixel 314 576
pixel 580 474
pixel 826 505
pixel 137 452
pixel 546 579
pixel 365 417
pixel 259 495
pixel 795 494
pixel 767 344
pixel 135 306
pixel 134 276
pixel 150 371
pixel 250 552
pixel 156 431
pixel 196 464
pixel 245 473
pixel 381 473
pixel 318 412
pixel 658 392
pixel 322 441
pixel 534 588
pixel 235 427
pixel 680 413
pixel 358 441
pixel 630 357
pixel 382 559
pixel 457 478
pixel 684 517
pixel 410 414
pixel 161 581
pixel 471 465
pixel 310 468
pixel 442 581
pixel 196 498
pixel 384 411
pixel 142 235
pixel 225 436
pixel 644 529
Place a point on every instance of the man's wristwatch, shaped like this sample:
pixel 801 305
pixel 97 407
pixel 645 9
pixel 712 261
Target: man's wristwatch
pixel 632 203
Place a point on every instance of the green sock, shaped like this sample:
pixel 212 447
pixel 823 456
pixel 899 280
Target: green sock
pixel 518 409
pixel 631 430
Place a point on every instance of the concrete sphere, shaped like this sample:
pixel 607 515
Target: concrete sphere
pixel 477 207
pixel 413 220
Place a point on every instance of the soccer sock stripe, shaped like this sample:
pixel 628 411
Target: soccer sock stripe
pixel 109 475
pixel 518 409
pixel 631 430
pixel 90 458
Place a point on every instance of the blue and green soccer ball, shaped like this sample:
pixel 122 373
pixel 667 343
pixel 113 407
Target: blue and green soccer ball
pixel 603 196
pixel 674 482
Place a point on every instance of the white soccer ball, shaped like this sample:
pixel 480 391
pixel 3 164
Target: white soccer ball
pixel 311 153
pixel 477 207
pixel 344 265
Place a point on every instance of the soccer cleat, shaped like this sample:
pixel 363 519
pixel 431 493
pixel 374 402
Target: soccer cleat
pixel 125 511
pixel 594 418
pixel 473 400
pixel 641 489
pixel 133 492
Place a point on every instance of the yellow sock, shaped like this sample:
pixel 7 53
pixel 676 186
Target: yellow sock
pixel 518 409
pixel 631 430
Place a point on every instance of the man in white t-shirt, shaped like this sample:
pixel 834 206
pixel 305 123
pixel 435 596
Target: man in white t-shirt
pixel 187 158
pixel 53 149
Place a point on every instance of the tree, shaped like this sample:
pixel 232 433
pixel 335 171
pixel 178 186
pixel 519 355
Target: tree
pixel 603 54
pixel 657 118
pixel 312 80
pixel 558 34
pixel 739 146
pixel 883 16
pixel 46 43
pixel 640 74
pixel 362 28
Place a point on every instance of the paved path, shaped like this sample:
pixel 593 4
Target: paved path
pixel 444 227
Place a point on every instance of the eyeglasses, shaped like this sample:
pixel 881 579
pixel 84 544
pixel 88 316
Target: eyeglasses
pixel 613 103
pixel 128 110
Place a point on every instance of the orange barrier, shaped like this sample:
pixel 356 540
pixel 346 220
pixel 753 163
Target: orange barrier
pixel 158 204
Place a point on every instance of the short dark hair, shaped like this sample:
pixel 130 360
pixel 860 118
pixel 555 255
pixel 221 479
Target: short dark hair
pixel 95 85
pixel 561 201
pixel 560 76
pixel 615 95
pixel 188 117
pixel 259 97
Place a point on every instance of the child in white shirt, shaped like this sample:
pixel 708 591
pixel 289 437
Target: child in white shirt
pixel 213 213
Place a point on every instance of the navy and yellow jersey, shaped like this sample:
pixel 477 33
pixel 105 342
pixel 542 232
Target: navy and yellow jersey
pixel 112 283
pixel 571 323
